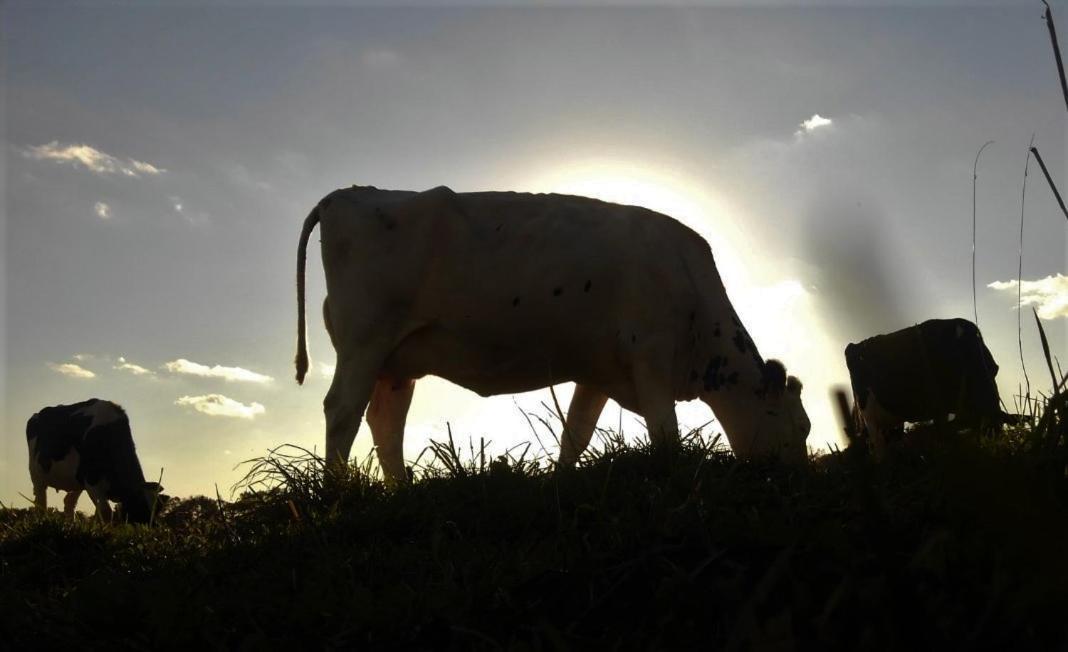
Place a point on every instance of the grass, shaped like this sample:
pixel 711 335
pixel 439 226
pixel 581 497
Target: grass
pixel 948 542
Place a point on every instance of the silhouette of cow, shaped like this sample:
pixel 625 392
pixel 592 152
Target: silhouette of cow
pixel 88 446
pixel 937 370
pixel 504 292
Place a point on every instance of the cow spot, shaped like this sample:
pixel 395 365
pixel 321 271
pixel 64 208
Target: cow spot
pixel 586 288
pixel 715 330
pixel 633 338
pixel 740 341
pixel 714 379
pixel 558 291
pixel 693 315
pixel 515 302
pixel 498 227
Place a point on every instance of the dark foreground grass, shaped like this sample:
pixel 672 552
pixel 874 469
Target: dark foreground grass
pixel 948 544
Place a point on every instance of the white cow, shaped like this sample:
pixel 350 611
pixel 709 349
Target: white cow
pixel 504 292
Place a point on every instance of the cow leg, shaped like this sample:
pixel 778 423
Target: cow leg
pixel 344 405
pixel 656 400
pixel 386 415
pixel 99 495
pixel 582 414
pixel 70 501
pixel 880 424
pixel 40 496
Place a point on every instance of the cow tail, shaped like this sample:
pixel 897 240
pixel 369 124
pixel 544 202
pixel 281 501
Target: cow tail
pixel 302 258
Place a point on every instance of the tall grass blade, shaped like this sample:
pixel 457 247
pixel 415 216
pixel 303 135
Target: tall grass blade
pixel 1045 352
pixel 1019 272
pixel 1056 51
pixel 975 177
pixel 1049 180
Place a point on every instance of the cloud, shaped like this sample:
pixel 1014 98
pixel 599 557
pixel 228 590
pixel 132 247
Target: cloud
pixel 90 158
pixel 187 367
pixel 815 122
pixel 217 405
pixel 102 210
pixel 193 217
pixel 134 369
pixel 1050 294
pixel 71 370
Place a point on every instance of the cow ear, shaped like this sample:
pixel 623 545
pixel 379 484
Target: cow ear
pixel 793 385
pixel 774 376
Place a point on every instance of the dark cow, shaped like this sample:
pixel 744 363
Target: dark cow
pixel 88 446
pixel 921 373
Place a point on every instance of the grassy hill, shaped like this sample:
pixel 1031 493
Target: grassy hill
pixel 950 542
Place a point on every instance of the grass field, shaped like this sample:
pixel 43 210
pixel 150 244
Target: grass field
pixel 950 543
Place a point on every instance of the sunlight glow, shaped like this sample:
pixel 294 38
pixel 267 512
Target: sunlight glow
pixel 657 188
pixel 780 316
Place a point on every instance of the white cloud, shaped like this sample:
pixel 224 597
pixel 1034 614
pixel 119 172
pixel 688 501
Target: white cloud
pixel 90 158
pixel 817 121
pixel 134 369
pixel 1049 294
pixel 191 216
pixel 217 405
pixel 187 367
pixel 102 210
pixel 71 370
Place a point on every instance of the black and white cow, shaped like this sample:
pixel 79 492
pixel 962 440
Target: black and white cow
pixel 88 446
pixel 925 372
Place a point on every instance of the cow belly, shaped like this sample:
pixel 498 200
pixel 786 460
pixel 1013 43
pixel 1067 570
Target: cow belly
pixel 62 474
pixel 483 364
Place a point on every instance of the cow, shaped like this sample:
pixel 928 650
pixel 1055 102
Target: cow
pixel 937 370
pixel 503 292
pixel 88 446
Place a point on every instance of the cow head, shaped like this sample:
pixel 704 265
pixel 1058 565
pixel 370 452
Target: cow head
pixel 774 422
pixel 139 506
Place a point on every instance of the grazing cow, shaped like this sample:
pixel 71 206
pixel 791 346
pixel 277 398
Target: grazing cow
pixel 924 372
pixel 88 446
pixel 503 292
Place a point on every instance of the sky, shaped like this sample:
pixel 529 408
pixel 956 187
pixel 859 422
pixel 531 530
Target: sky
pixel 158 162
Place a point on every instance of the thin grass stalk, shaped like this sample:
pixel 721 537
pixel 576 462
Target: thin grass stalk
pixel 975 177
pixel 530 424
pixel 155 499
pixel 1046 353
pixel 1056 51
pixel 1049 180
pixel 565 435
pixel 1019 272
